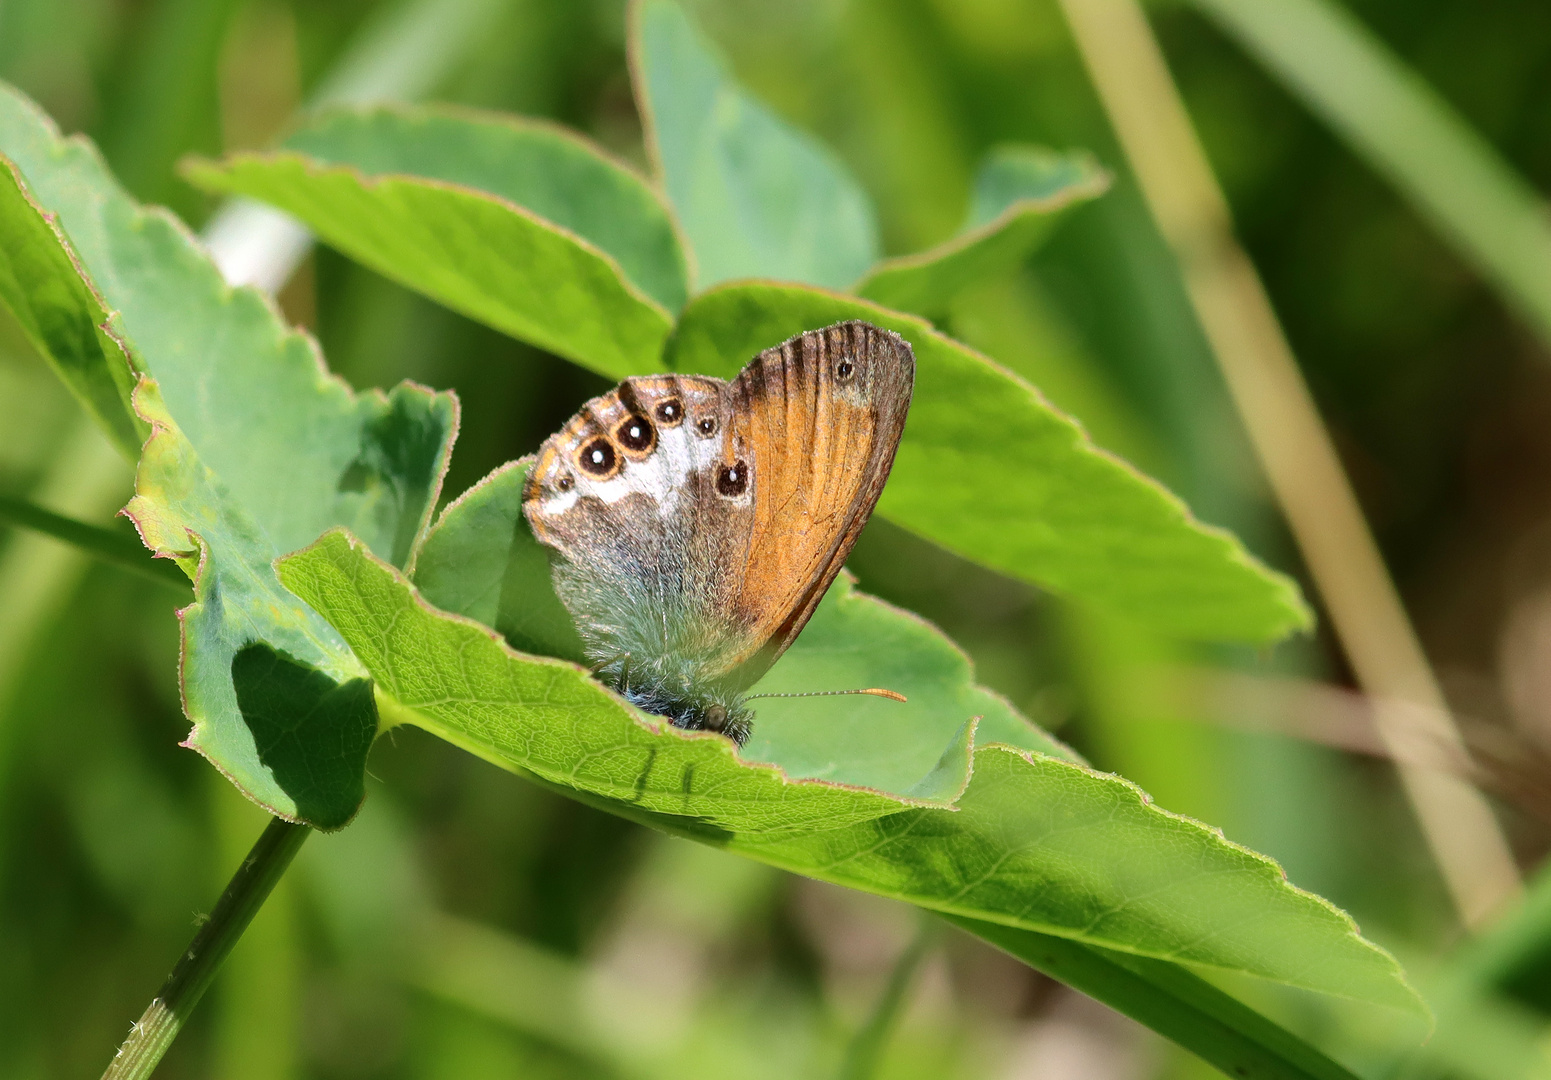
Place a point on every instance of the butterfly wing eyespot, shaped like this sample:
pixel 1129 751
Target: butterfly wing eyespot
pixel 636 435
pixel 565 482
pixel 845 371
pixel 733 480
pixel 670 413
pixel 705 427
pixel 598 459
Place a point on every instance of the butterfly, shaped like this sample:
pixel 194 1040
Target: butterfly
pixel 695 524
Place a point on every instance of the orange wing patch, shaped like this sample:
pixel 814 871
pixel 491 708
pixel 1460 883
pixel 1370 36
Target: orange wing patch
pixel 816 422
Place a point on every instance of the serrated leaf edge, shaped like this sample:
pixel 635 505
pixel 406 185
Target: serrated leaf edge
pixel 652 724
pixel 1096 183
pixel 522 123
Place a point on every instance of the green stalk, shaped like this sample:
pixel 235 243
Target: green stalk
pixel 867 1045
pixel 250 886
pixel 105 544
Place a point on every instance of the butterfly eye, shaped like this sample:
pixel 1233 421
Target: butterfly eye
pixel 670 413
pixel 706 425
pixel 733 480
pixel 598 457
pixel 635 433
pixel 844 370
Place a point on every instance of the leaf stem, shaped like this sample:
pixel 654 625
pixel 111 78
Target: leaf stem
pixel 250 886
pixel 105 544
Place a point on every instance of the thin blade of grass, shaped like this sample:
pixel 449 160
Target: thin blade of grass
pixel 1408 133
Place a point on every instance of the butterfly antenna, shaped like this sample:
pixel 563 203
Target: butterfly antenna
pixel 874 691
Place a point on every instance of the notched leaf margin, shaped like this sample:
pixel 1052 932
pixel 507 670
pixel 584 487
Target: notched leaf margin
pixel 652 724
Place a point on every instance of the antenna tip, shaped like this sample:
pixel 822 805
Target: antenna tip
pixel 892 695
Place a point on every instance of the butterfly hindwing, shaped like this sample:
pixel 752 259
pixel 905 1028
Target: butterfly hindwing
pixel 635 519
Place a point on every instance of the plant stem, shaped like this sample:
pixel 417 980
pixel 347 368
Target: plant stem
pixel 105 544
pixel 250 886
pixel 866 1049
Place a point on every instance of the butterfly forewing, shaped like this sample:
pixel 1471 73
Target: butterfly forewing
pixel 821 416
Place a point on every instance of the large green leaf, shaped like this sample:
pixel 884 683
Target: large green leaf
pixel 754 196
pixel 1022 192
pixel 477 253
pixel 549 170
pixel 256 450
pixel 61 315
pixel 1035 842
pixel 1409 134
pixel 988 469
pixel 248 644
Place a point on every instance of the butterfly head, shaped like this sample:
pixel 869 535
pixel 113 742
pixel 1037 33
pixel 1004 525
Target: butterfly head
pixel 733 720
pixel 674 691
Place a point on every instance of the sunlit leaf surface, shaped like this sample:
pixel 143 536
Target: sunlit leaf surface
pixel 478 254
pixel 1035 841
pixel 550 170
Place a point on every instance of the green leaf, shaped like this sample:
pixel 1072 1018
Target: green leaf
pixel 250 394
pixel 855 640
pixel 482 560
pixel 754 196
pixel 182 511
pixel 1022 192
pixel 549 170
pixel 479 254
pixel 60 314
pixel 255 450
pixel 1172 1001
pixel 988 469
pixel 546 718
pixel 1410 135
pixel 1034 842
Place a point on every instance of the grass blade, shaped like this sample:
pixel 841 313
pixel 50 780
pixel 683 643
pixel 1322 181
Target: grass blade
pixel 1409 134
pixel 865 1052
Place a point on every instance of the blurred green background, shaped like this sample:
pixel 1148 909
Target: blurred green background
pixel 469 925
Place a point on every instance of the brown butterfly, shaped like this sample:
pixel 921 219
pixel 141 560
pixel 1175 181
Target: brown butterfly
pixel 697 523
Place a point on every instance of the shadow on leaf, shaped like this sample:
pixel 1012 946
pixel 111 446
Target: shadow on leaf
pixel 312 733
